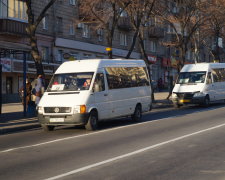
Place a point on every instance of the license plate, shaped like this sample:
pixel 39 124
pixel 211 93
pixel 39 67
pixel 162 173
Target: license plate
pixel 185 100
pixel 56 119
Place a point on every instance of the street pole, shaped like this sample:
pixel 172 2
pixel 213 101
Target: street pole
pixel 0 86
pixel 168 67
pixel 24 84
pixel 109 51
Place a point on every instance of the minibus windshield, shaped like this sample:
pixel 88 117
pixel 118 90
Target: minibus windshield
pixel 70 82
pixel 191 77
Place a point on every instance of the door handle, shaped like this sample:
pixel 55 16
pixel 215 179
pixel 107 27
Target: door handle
pixel 105 94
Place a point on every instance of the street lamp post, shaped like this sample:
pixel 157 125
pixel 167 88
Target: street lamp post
pixel 0 86
pixel 168 66
pixel 24 83
pixel 109 50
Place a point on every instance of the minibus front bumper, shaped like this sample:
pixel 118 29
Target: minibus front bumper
pixel 71 119
pixel 188 98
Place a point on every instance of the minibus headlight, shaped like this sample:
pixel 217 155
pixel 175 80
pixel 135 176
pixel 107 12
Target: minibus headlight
pixel 199 94
pixel 76 109
pixel 80 109
pixel 40 110
pixel 174 95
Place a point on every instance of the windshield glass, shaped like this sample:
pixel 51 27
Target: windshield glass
pixel 191 77
pixel 70 82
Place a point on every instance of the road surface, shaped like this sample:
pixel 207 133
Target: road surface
pixel 188 143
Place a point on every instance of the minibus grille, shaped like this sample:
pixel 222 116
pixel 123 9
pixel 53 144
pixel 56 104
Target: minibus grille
pixel 185 95
pixel 57 109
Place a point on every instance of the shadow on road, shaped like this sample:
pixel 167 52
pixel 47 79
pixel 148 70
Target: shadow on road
pixel 160 115
pixel 150 116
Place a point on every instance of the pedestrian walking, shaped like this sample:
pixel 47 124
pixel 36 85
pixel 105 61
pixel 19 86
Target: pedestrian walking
pixel 28 93
pixel 160 84
pixel 39 89
pixel 171 85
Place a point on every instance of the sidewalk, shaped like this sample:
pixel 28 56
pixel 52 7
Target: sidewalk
pixel 12 119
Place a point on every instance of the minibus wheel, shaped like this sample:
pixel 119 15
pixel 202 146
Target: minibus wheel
pixel 206 101
pixel 137 114
pixel 47 128
pixel 92 123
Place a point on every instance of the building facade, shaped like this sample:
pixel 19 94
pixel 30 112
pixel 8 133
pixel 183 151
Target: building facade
pixel 59 34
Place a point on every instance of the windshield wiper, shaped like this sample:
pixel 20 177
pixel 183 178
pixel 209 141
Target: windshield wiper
pixel 188 83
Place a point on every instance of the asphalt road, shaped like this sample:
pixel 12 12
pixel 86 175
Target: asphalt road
pixel 188 143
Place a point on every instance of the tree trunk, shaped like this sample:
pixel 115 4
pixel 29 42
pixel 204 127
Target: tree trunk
pixel 141 43
pixel 217 53
pixel 137 28
pixel 132 45
pixel 34 49
pixel 31 31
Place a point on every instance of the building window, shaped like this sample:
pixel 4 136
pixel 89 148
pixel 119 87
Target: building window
pixel 60 56
pixel 3 9
pixel 152 46
pixel 72 2
pixel 123 13
pixel 45 54
pixel 74 56
pixel 87 56
pixel 71 28
pixel 144 43
pixel 45 22
pixel 16 9
pixel 170 29
pixel 123 39
pixel 152 21
pixel 99 57
pixel 86 31
pixel 100 34
pixel 59 24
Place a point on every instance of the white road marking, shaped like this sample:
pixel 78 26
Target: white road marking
pixel 132 153
pixel 83 135
pixel 89 134
pixel 93 133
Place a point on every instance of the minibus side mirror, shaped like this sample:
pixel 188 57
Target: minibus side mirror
pixel 96 87
pixel 209 81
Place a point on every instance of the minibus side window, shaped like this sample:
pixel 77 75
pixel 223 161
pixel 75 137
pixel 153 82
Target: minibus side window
pixel 99 84
pixel 209 78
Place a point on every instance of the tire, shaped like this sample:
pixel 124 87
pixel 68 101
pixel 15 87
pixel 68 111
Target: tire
pixel 150 108
pixel 136 117
pixel 92 123
pixel 206 101
pixel 47 128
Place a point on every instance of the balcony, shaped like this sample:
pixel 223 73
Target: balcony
pixel 156 32
pixel 9 26
pixel 124 24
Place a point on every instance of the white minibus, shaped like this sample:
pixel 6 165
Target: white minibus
pixel 200 83
pixel 84 92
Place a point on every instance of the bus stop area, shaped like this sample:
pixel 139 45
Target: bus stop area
pixel 12 117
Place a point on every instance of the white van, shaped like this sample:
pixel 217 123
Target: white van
pixel 200 83
pixel 84 92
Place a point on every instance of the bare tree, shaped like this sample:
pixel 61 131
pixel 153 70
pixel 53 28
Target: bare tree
pixel 182 17
pixel 33 22
pixel 139 12
pixel 213 28
pixel 104 14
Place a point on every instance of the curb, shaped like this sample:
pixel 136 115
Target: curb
pixel 160 104
pixel 8 129
pixel 16 128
